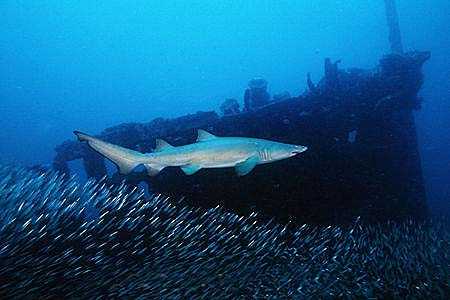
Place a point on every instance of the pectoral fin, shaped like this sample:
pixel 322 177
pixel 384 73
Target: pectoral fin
pixel 246 166
pixel 190 169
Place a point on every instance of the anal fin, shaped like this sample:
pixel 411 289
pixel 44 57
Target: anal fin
pixel 153 169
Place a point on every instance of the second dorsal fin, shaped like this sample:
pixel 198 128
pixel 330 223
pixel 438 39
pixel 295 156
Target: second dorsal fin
pixel 203 135
pixel 162 145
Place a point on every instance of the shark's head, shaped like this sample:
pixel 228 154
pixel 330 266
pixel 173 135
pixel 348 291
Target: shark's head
pixel 276 151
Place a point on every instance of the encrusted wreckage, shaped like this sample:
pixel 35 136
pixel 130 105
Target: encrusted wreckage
pixel 363 157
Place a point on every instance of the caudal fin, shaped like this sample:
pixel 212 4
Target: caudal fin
pixel 125 159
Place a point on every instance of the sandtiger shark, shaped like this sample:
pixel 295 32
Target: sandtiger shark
pixel 209 151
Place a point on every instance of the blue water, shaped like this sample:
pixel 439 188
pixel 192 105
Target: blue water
pixel 88 65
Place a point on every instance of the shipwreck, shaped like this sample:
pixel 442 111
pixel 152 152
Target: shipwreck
pixel 359 127
pixel 363 158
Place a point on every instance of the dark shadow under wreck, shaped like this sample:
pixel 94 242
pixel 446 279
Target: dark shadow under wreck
pixel 363 157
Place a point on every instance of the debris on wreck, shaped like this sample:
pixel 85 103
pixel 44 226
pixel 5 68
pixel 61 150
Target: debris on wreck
pixel 281 96
pixel 230 107
pixel 375 174
pixel 256 94
pixel 62 240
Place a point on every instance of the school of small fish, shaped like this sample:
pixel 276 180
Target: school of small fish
pixel 63 240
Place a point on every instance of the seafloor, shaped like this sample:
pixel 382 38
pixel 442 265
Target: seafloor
pixel 60 240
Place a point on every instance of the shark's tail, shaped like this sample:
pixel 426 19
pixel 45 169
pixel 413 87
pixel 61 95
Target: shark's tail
pixel 125 159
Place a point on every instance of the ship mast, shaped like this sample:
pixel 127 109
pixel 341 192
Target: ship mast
pixel 395 38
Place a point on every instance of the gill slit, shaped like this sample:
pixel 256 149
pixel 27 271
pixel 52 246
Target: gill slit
pixel 264 154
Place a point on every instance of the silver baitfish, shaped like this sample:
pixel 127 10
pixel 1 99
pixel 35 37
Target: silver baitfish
pixel 59 239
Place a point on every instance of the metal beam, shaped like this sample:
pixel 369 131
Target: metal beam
pixel 395 38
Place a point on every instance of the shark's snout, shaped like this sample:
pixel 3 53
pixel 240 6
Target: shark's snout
pixel 299 149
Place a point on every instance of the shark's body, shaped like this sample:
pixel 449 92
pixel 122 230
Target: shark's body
pixel 209 151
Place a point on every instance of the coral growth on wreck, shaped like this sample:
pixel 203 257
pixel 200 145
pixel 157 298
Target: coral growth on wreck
pixel 60 239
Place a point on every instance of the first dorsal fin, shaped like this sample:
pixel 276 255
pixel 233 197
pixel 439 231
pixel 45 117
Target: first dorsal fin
pixel 203 135
pixel 162 145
